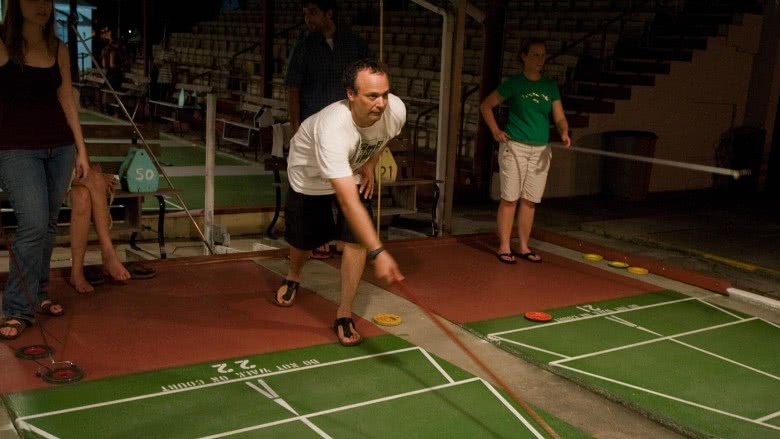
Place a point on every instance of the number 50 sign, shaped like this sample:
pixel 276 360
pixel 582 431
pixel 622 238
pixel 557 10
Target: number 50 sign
pixel 138 173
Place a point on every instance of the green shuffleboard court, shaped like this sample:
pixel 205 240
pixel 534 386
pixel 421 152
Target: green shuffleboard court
pixel 704 369
pixel 230 191
pixel 384 388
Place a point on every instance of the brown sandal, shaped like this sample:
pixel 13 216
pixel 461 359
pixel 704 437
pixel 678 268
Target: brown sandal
pixel 46 306
pixel 289 294
pixel 19 327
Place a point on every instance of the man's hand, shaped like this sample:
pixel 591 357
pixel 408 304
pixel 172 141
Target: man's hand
pixel 386 269
pixel 366 173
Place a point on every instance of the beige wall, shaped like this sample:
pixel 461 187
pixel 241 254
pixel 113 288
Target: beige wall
pixel 689 110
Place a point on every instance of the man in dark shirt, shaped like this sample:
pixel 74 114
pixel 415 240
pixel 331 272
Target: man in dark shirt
pixel 314 73
pixel 318 61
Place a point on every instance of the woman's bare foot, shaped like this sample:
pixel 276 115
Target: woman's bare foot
pixel 80 284
pixel 114 267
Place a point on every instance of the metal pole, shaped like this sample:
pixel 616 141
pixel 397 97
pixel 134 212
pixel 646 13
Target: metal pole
pixel 211 152
pixel 73 42
pixel 453 123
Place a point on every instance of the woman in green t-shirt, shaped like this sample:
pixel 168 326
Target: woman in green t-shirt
pixel 524 151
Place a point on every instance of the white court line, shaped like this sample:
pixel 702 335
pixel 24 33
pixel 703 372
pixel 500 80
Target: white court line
pixel 528 346
pixel 259 390
pixel 673 398
pixel 710 353
pixel 268 388
pixel 621 321
pixel 768 417
pixel 512 409
pixel 340 409
pixel 220 383
pixel 579 319
pixel 270 394
pixel 25 426
pixel 305 420
pixel 176 206
pixel 773 324
pixel 655 340
pixel 436 365
pixel 721 309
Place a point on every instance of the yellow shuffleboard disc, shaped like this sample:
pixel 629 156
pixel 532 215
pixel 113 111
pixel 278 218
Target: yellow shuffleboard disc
pixel 386 319
pixel 592 257
pixel 637 270
pixel 618 264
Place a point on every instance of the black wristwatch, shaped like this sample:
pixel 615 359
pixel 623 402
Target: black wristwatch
pixel 372 254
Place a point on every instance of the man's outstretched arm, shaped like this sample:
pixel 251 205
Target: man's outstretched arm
pixel 361 224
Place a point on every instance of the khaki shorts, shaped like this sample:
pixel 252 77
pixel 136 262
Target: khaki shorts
pixel 524 170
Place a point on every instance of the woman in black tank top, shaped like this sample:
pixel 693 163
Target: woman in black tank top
pixel 40 127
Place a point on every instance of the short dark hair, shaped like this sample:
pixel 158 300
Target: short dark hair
pixel 325 5
pixel 531 42
pixel 351 72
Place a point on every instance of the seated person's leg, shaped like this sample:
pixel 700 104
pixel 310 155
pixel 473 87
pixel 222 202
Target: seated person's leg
pixel 81 211
pixel 97 183
pixel 98 186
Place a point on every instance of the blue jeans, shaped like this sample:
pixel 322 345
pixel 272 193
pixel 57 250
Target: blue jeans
pixel 36 181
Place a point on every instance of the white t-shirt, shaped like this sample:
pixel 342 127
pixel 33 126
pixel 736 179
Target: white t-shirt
pixel 329 145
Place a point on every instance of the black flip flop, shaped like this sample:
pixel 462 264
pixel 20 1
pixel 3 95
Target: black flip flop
pixel 527 256
pixel 346 325
pixel 289 294
pixel 501 257
pixel 138 272
pixel 94 275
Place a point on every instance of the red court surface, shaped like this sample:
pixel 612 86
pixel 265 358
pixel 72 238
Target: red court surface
pixel 461 279
pixel 193 311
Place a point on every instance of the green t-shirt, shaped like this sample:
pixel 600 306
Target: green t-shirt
pixel 530 103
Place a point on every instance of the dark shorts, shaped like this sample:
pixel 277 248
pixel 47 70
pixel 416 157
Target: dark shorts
pixel 313 220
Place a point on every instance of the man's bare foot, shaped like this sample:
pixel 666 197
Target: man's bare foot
pixel 114 267
pixel 80 284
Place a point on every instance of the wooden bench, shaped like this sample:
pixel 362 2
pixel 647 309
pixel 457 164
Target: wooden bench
pixel 256 113
pixel 110 152
pixel 399 197
pixel 176 114
pixel 108 144
pixel 131 204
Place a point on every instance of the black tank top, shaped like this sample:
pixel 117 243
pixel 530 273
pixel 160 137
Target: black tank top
pixel 31 116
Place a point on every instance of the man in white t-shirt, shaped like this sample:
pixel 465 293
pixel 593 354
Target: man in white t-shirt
pixel 331 161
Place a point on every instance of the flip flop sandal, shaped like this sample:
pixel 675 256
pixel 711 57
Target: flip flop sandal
pixel 528 256
pixel 138 272
pixel 346 325
pixel 289 295
pixel 46 306
pixel 94 275
pixel 19 326
pixel 504 257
